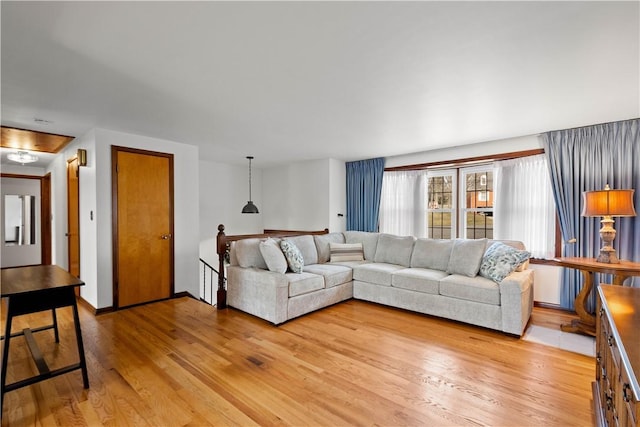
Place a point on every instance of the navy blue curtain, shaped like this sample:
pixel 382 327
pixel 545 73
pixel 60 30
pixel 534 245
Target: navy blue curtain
pixel 586 159
pixel 364 186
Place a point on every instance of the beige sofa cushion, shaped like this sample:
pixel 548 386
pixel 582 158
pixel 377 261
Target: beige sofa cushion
pixel 303 283
pixel 377 273
pixel 466 256
pixel 369 242
pixel 307 247
pixel 432 253
pixel 248 254
pixel 478 289
pixel 418 279
pixel 394 249
pixel 333 274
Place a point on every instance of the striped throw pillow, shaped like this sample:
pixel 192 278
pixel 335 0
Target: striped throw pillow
pixel 341 252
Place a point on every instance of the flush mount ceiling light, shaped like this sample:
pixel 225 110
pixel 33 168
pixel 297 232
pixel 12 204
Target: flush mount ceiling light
pixel 22 157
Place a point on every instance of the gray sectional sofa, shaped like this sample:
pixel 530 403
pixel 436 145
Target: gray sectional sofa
pixel 431 276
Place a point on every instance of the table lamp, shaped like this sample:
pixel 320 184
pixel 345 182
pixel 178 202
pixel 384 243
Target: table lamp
pixel 608 203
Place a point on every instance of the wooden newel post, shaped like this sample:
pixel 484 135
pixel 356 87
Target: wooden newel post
pixel 222 249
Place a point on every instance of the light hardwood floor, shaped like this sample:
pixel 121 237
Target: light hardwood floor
pixel 181 362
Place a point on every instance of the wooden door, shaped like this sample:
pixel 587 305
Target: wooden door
pixel 143 229
pixel 73 217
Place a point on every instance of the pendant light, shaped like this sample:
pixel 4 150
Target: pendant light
pixel 250 208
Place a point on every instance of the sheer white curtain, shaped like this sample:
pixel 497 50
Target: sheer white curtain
pixel 524 208
pixel 403 203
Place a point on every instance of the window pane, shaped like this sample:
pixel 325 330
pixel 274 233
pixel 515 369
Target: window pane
pixel 479 225
pixel 479 191
pixel 439 225
pixel 439 191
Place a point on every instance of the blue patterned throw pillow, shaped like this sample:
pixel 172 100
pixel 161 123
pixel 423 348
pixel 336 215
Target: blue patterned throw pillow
pixel 500 260
pixel 293 256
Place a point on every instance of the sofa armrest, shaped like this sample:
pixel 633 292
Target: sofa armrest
pixel 517 282
pixel 516 299
pixel 259 292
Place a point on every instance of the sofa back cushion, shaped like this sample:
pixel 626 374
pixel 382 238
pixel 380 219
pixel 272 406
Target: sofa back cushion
pixel 394 249
pixel 432 253
pixel 248 253
pixel 466 256
pixel 307 247
pixel 322 242
pixel 369 242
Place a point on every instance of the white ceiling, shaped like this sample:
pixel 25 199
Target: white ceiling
pixel 287 81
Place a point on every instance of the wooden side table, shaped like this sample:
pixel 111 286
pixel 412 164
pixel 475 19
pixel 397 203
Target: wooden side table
pixel 586 323
pixel 34 289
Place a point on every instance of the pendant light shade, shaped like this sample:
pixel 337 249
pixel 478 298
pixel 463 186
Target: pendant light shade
pixel 250 208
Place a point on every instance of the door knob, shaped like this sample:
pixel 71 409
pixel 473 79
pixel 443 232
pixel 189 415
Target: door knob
pixel 165 236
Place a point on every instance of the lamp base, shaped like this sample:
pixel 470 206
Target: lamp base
pixel 607 234
pixel 608 256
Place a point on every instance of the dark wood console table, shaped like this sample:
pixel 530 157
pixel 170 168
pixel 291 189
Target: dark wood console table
pixel 586 323
pixel 30 290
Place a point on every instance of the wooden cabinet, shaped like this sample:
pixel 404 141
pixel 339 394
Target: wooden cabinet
pixel 616 392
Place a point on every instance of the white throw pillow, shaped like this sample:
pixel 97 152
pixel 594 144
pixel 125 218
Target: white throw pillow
pixel 273 256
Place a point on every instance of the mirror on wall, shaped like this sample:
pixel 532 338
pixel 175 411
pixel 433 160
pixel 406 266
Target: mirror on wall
pixel 19 220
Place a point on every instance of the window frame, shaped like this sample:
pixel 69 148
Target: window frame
pixel 453 172
pixel 463 209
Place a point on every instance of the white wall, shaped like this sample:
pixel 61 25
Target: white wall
pixel 305 195
pixel 223 191
pixel 337 195
pixel 530 142
pixel 96 265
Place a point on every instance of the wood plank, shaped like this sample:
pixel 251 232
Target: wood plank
pixel 182 362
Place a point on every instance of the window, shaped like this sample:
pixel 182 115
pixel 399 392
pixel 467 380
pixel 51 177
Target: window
pixel 476 206
pixel 441 206
pixel 507 199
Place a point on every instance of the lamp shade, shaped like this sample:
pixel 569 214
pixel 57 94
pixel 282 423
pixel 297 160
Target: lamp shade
pixel 250 208
pixel 608 203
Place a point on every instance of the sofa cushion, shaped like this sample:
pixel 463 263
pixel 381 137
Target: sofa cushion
pixel 307 247
pixel 342 252
pixel 418 279
pixel 322 245
pixel 303 283
pixel 369 242
pixel 478 289
pixel 466 256
pixel 293 256
pixel 394 249
pixel 377 273
pixel 500 260
pixel 432 253
pixel 333 274
pixel 273 256
pixel 248 253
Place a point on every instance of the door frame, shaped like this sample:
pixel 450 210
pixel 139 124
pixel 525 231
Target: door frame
pixel 114 216
pixel 45 213
pixel 77 211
